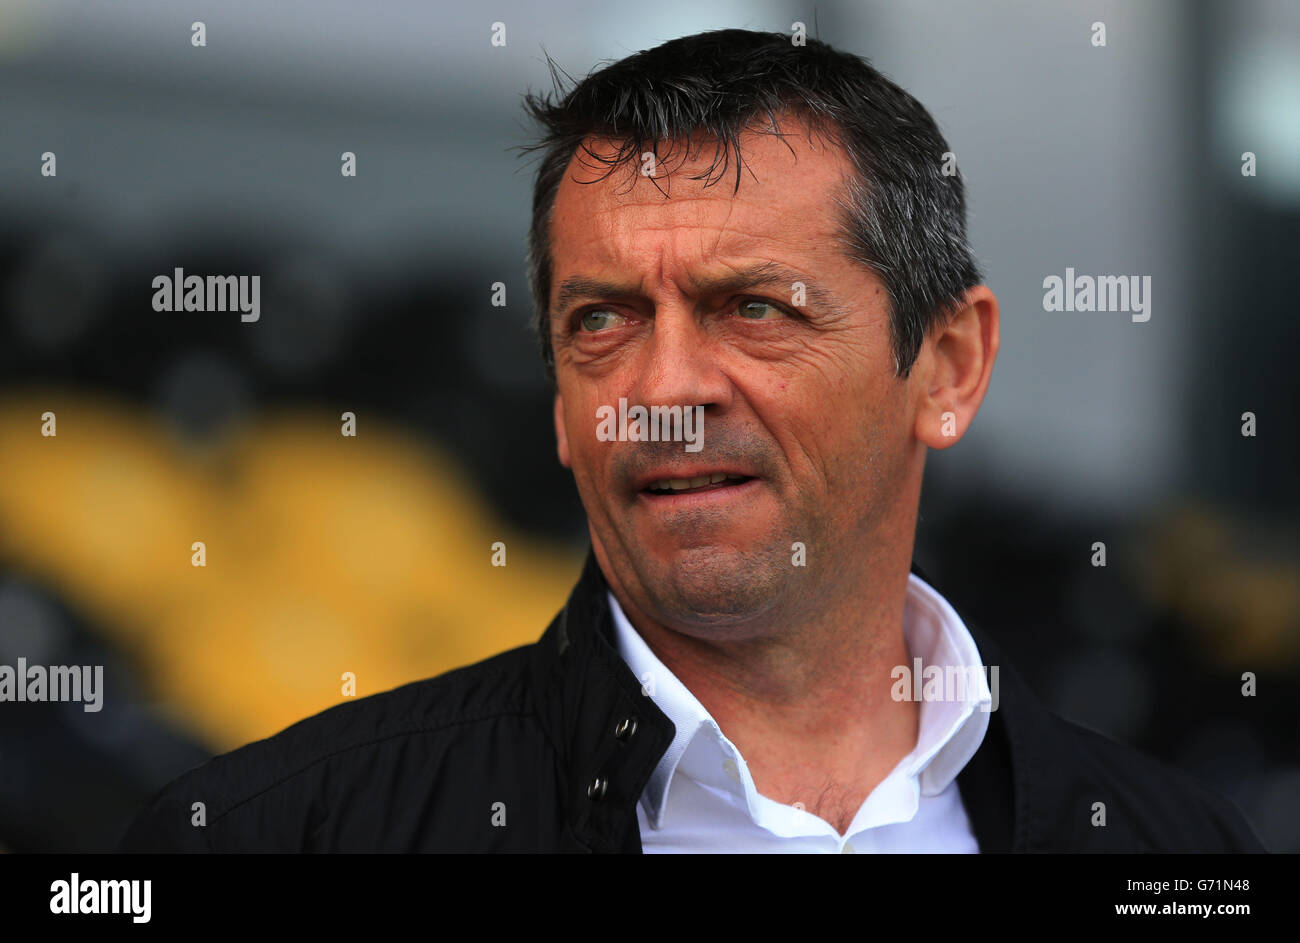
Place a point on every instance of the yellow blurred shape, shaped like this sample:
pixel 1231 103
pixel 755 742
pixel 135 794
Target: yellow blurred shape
pixel 1242 600
pixel 325 554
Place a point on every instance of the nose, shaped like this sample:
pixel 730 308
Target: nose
pixel 680 364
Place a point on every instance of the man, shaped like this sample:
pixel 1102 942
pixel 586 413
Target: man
pixel 755 243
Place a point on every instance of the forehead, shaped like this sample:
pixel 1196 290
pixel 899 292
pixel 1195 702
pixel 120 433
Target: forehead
pixel 787 204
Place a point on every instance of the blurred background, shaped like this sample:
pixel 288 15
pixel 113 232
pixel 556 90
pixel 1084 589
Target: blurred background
pixel 371 554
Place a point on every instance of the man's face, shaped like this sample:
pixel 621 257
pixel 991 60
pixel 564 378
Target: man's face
pixel 699 306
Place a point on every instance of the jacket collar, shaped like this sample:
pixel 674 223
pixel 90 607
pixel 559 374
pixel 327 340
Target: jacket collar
pixel 611 735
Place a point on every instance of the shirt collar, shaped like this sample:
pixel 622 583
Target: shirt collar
pixel 950 731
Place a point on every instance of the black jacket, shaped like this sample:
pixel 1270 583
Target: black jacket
pixel 547 748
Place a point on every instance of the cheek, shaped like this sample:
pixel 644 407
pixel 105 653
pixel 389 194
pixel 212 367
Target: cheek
pixel 589 456
pixel 883 444
pixel 853 437
pixel 822 404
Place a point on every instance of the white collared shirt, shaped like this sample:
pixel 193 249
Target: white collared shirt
pixel 701 797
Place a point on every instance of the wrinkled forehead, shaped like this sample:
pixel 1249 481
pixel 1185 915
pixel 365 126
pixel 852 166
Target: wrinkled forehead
pixel 790 190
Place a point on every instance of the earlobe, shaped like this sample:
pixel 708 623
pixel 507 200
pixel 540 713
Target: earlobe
pixel 937 425
pixel 958 362
pixel 561 436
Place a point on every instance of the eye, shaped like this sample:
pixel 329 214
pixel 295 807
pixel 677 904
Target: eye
pixel 755 309
pixel 598 320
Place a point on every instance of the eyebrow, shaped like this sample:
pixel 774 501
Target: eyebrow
pixel 764 274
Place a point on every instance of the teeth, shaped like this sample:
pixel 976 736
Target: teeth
pixel 682 484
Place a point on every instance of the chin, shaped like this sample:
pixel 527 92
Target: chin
pixel 717 586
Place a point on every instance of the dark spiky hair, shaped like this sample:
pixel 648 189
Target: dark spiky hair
pixel 901 216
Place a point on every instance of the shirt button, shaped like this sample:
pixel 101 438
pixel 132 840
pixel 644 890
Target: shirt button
pixel 847 850
pixel 731 769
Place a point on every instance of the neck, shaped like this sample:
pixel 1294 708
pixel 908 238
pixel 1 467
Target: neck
pixel 808 702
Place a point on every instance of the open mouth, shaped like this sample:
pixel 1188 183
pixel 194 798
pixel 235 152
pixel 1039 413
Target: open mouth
pixel 712 482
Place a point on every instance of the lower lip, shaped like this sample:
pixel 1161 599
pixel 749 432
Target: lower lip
pixel 704 497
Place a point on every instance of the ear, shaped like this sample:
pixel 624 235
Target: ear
pixel 561 436
pixel 953 370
